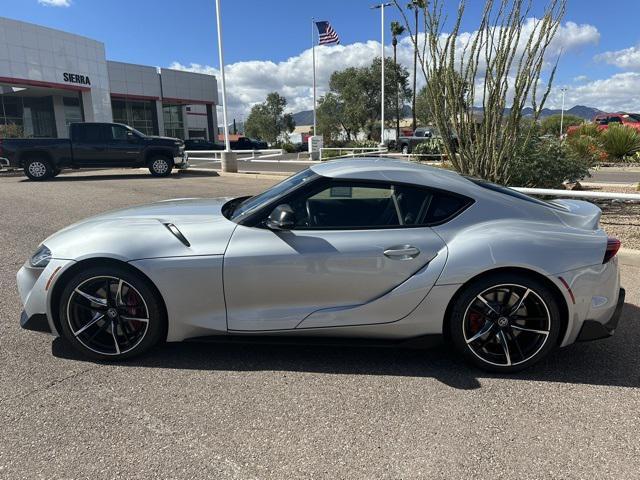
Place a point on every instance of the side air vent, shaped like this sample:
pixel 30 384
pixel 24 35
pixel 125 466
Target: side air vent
pixel 177 233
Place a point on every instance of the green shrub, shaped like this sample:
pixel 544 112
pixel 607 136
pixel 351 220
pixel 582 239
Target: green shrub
pixel 11 130
pixel 587 148
pixel 288 147
pixel 545 162
pixel 362 144
pixel 589 130
pixel 432 146
pixel 620 142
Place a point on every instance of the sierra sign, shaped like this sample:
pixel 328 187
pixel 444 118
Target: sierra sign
pixel 75 78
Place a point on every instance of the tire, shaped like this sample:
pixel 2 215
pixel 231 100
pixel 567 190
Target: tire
pixel 405 149
pixel 38 169
pixel 160 166
pixel 519 316
pixel 127 322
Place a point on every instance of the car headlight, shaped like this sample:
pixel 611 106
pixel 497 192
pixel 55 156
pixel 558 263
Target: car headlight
pixel 41 258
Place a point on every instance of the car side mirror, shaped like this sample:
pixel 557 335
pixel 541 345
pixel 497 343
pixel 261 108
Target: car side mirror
pixel 281 218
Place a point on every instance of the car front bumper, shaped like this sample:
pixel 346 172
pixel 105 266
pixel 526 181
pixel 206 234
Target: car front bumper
pixel 34 287
pixel 181 161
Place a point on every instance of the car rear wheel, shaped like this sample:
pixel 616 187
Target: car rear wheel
pixel 38 169
pixel 505 322
pixel 160 166
pixel 110 313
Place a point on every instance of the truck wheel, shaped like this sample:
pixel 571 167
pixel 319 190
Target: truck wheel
pixel 38 169
pixel 405 149
pixel 160 166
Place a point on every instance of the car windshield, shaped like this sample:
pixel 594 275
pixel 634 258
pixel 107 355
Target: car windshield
pixel 253 203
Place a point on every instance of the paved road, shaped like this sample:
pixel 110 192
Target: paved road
pixel 234 411
pixel 615 175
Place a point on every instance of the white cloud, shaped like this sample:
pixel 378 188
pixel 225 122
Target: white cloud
pixel 620 92
pixel 580 79
pixel 250 81
pixel 55 3
pixel 627 58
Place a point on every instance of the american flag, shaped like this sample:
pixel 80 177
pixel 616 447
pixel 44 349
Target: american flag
pixel 327 34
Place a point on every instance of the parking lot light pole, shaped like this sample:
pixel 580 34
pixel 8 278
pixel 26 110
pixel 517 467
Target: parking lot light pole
pixel 381 7
pixel 564 91
pixel 228 158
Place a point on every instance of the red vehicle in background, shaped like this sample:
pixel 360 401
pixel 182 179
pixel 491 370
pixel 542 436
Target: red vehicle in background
pixel 603 121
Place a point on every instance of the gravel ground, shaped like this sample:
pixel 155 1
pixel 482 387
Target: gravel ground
pixel 241 412
pixel 620 219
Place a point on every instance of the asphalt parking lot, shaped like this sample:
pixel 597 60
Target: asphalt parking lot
pixel 257 411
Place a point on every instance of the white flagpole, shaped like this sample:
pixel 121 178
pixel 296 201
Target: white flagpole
pixel 382 85
pixel 313 53
pixel 224 86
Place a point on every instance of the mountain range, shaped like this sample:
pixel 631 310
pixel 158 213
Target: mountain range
pixel 305 117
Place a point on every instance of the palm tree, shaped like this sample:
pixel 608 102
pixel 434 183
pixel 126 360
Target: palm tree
pixel 416 6
pixel 396 31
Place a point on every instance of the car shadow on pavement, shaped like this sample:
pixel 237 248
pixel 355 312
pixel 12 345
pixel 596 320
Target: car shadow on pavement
pixel 610 362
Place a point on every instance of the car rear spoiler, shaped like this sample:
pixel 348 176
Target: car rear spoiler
pixel 578 213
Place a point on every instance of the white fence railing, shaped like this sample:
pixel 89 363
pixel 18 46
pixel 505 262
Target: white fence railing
pixel 548 192
pixel 214 155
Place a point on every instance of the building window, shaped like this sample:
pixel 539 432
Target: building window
pixel 138 114
pixel 26 116
pixel 173 120
pixel 72 112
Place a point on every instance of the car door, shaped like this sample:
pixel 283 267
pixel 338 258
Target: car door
pixel 123 146
pixel 354 243
pixel 89 144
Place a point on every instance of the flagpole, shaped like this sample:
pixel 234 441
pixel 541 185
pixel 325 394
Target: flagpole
pixel 381 7
pixel 313 54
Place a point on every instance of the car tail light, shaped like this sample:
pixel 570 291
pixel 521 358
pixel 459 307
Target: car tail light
pixel 613 245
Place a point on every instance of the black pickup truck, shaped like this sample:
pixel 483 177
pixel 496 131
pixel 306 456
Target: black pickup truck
pixel 93 145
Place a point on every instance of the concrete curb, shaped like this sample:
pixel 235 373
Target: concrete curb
pixel 258 175
pixel 629 257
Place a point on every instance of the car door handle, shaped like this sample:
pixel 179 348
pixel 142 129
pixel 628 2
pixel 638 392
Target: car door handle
pixel 402 252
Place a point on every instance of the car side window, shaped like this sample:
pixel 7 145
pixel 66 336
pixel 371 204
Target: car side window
pixel 90 134
pixel 117 133
pixel 347 205
pixel 422 206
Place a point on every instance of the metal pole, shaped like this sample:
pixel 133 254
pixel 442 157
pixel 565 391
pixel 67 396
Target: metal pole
pixel 313 54
pixel 562 113
pixel 224 87
pixel 381 7
pixel 382 80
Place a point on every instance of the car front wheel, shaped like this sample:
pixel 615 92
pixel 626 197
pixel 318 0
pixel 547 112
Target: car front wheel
pixel 160 166
pixel 110 313
pixel 505 322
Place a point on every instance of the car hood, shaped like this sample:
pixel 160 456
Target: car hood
pixel 141 232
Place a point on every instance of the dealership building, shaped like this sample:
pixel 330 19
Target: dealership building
pixel 50 78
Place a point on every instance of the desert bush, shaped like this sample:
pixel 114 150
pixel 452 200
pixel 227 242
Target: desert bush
pixel 587 147
pixel 432 146
pixel 589 130
pixel 546 162
pixel 11 130
pixel 619 142
pixel 288 147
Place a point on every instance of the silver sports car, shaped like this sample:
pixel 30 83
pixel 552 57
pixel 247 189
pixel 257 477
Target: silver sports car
pixel 366 248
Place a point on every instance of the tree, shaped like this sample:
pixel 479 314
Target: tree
pixel 330 117
pixel 500 62
pixel 268 121
pixel 396 31
pixel 416 6
pixel 422 110
pixel 358 91
pixel 551 124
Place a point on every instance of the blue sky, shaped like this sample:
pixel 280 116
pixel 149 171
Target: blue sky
pixel 265 39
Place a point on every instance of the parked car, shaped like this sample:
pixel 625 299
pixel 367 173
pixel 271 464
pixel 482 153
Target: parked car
pixel 94 145
pixel 378 249
pixel 605 119
pixel 202 144
pixel 246 143
pixel 407 144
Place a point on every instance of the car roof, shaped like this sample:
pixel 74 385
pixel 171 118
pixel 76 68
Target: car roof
pixel 392 170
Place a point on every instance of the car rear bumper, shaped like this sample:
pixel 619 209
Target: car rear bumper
pixel 594 330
